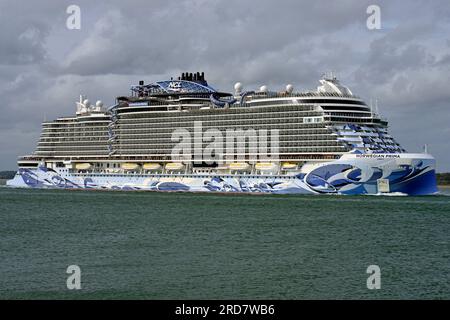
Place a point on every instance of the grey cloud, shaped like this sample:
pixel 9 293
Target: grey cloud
pixel 181 34
pixel 25 48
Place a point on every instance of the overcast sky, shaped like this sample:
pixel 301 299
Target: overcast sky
pixel 44 66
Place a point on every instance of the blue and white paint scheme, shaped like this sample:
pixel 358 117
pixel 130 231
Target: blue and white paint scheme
pixel 329 142
pixel 353 174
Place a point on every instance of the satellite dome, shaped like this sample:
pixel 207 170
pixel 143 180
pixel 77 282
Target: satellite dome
pixel 86 102
pixel 289 88
pixel 263 89
pixel 99 104
pixel 238 86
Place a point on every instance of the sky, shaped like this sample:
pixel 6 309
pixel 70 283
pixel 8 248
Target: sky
pixel 405 65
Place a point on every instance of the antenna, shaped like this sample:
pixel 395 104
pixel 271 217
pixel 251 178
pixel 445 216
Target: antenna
pixel 425 148
pixel 376 106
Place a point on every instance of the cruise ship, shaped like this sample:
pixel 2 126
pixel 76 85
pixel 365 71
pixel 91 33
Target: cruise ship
pixel 183 135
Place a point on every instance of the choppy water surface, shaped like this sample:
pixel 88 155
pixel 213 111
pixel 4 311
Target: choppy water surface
pixel 148 245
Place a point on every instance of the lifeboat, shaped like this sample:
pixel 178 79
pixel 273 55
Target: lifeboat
pixel 83 166
pixel 130 166
pixel 265 166
pixel 288 165
pixel 174 166
pixel 239 166
pixel 151 166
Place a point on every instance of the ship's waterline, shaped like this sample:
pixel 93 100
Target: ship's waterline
pixel 183 135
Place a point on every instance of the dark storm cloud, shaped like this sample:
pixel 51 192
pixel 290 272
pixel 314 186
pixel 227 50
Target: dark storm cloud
pixel 44 66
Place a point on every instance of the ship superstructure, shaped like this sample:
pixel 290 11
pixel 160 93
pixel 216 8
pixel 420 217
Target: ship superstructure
pixel 322 141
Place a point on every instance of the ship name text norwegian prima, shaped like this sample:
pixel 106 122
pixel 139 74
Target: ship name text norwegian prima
pixel 183 135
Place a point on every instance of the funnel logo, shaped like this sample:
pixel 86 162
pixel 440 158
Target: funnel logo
pixel 174 86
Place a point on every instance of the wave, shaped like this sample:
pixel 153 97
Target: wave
pixel 389 194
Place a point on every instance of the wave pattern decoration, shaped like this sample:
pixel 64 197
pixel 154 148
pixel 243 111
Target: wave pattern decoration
pixel 348 176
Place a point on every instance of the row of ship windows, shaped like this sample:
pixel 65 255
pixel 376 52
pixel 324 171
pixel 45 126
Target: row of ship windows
pixel 168 139
pixel 345 108
pixel 61 144
pixel 283 142
pixel 76 130
pixel 247 109
pixel 364 133
pixel 281 123
pixel 255 126
pixel 394 144
pixel 207 112
pixel 214 124
pixel 281 150
pixel 150 135
pixel 311 128
pixel 169 151
pixel 355 120
pixel 140 174
pixel 217 117
pixel 155 134
pixel 60 122
pixel 283 135
pixel 258 119
pixel 282 145
pixel 281 155
pixel 241 112
pixel 57 123
pixel 166 133
pixel 309 101
pixel 294 148
pixel 303 127
pixel 297 156
pixel 72 153
pixel 215 111
pixel 55 126
pixel 76 135
pixel 349 114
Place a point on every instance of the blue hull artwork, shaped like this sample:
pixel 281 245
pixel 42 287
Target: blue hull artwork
pixel 411 174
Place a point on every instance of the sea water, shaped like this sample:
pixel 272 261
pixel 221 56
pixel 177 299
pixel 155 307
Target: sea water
pixel 147 245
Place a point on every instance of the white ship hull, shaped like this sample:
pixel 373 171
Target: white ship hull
pixel 412 174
